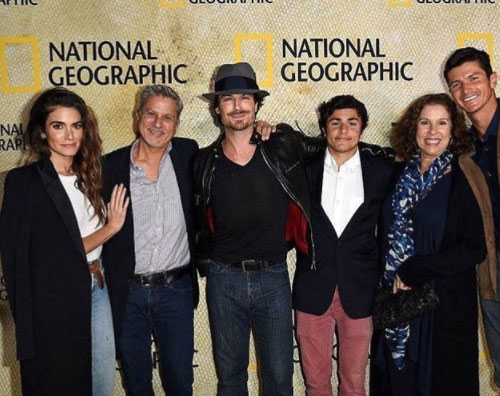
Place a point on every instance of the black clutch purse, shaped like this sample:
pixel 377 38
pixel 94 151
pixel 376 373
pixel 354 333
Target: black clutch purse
pixel 391 309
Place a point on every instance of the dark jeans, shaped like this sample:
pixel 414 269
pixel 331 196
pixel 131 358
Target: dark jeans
pixel 238 301
pixel 491 321
pixel 168 312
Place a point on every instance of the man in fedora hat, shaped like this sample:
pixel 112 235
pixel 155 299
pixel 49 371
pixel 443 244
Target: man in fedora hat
pixel 253 204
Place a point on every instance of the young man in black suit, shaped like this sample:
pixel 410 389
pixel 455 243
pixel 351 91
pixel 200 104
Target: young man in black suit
pixel 347 184
pixel 149 263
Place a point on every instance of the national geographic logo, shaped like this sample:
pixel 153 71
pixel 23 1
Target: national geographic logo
pixel 340 59
pixel 399 3
pixel 11 137
pixel 478 40
pixel 320 59
pixel 16 51
pixel 254 42
pixel 182 3
pixel 108 58
pixel 18 2
pixel 408 3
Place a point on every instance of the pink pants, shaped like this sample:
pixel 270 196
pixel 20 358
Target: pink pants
pixel 315 336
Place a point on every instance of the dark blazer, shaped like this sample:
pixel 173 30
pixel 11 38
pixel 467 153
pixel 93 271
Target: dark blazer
pixel 349 262
pixel 48 282
pixel 119 251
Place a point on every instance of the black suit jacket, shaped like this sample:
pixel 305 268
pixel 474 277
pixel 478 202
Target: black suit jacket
pixel 349 262
pixel 48 282
pixel 119 251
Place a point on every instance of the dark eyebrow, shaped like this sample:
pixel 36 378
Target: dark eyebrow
pixel 349 119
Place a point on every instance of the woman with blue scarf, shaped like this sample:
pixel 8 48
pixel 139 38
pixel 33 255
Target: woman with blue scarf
pixel 431 232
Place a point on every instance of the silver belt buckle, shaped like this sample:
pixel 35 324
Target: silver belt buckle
pixel 244 263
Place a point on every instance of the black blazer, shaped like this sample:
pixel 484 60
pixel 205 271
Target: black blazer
pixel 349 262
pixel 119 251
pixel 48 282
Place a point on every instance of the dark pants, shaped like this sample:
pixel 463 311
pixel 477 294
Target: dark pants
pixel 239 301
pixel 168 312
pixel 491 322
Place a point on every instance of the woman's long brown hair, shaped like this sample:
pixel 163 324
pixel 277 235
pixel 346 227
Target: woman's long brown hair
pixel 87 164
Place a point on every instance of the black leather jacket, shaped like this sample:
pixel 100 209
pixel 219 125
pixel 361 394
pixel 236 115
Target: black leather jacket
pixel 284 154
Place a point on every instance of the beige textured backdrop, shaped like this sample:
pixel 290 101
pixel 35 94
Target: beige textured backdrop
pixel 203 34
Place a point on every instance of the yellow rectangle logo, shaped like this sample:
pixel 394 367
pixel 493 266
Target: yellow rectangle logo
pixel 488 38
pixel 400 3
pixel 239 38
pixel 35 61
pixel 171 3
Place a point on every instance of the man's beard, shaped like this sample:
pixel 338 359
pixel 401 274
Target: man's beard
pixel 239 125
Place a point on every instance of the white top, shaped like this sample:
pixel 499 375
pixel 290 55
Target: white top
pixel 342 192
pixel 84 212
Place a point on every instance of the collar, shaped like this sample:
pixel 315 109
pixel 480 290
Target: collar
pixel 136 144
pixel 352 163
pixel 492 129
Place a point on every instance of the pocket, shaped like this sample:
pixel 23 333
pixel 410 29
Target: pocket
pixel 181 285
pixel 216 268
pixel 281 268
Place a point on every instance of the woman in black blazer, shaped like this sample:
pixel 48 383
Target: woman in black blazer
pixel 432 232
pixel 52 226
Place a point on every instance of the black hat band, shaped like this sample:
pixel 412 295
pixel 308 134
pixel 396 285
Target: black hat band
pixel 232 83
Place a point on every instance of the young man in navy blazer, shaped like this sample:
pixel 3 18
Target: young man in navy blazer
pixel 347 184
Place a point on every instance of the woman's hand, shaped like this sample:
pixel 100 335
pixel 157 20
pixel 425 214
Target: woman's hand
pixel 264 129
pixel 399 285
pixel 117 208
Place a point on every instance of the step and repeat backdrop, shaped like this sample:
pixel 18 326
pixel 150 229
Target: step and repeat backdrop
pixel 384 52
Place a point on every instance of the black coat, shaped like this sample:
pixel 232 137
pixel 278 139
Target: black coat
pixel 48 282
pixel 351 261
pixel 455 368
pixel 119 251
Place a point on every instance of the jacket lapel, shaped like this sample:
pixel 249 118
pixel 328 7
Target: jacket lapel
pixel 58 195
pixel 315 176
pixel 181 171
pixel 498 148
pixel 123 176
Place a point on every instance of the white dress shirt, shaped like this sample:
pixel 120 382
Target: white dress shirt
pixel 342 192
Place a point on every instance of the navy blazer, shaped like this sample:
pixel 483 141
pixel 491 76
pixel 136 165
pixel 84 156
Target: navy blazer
pixel 119 251
pixel 349 262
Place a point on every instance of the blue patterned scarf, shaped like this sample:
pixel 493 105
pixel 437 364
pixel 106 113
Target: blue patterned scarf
pixel 411 188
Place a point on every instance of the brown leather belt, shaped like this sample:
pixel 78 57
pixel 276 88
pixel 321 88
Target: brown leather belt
pixel 95 268
pixel 162 278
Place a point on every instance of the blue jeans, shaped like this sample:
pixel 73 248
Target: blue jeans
pixel 491 321
pixel 166 311
pixel 103 342
pixel 238 301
